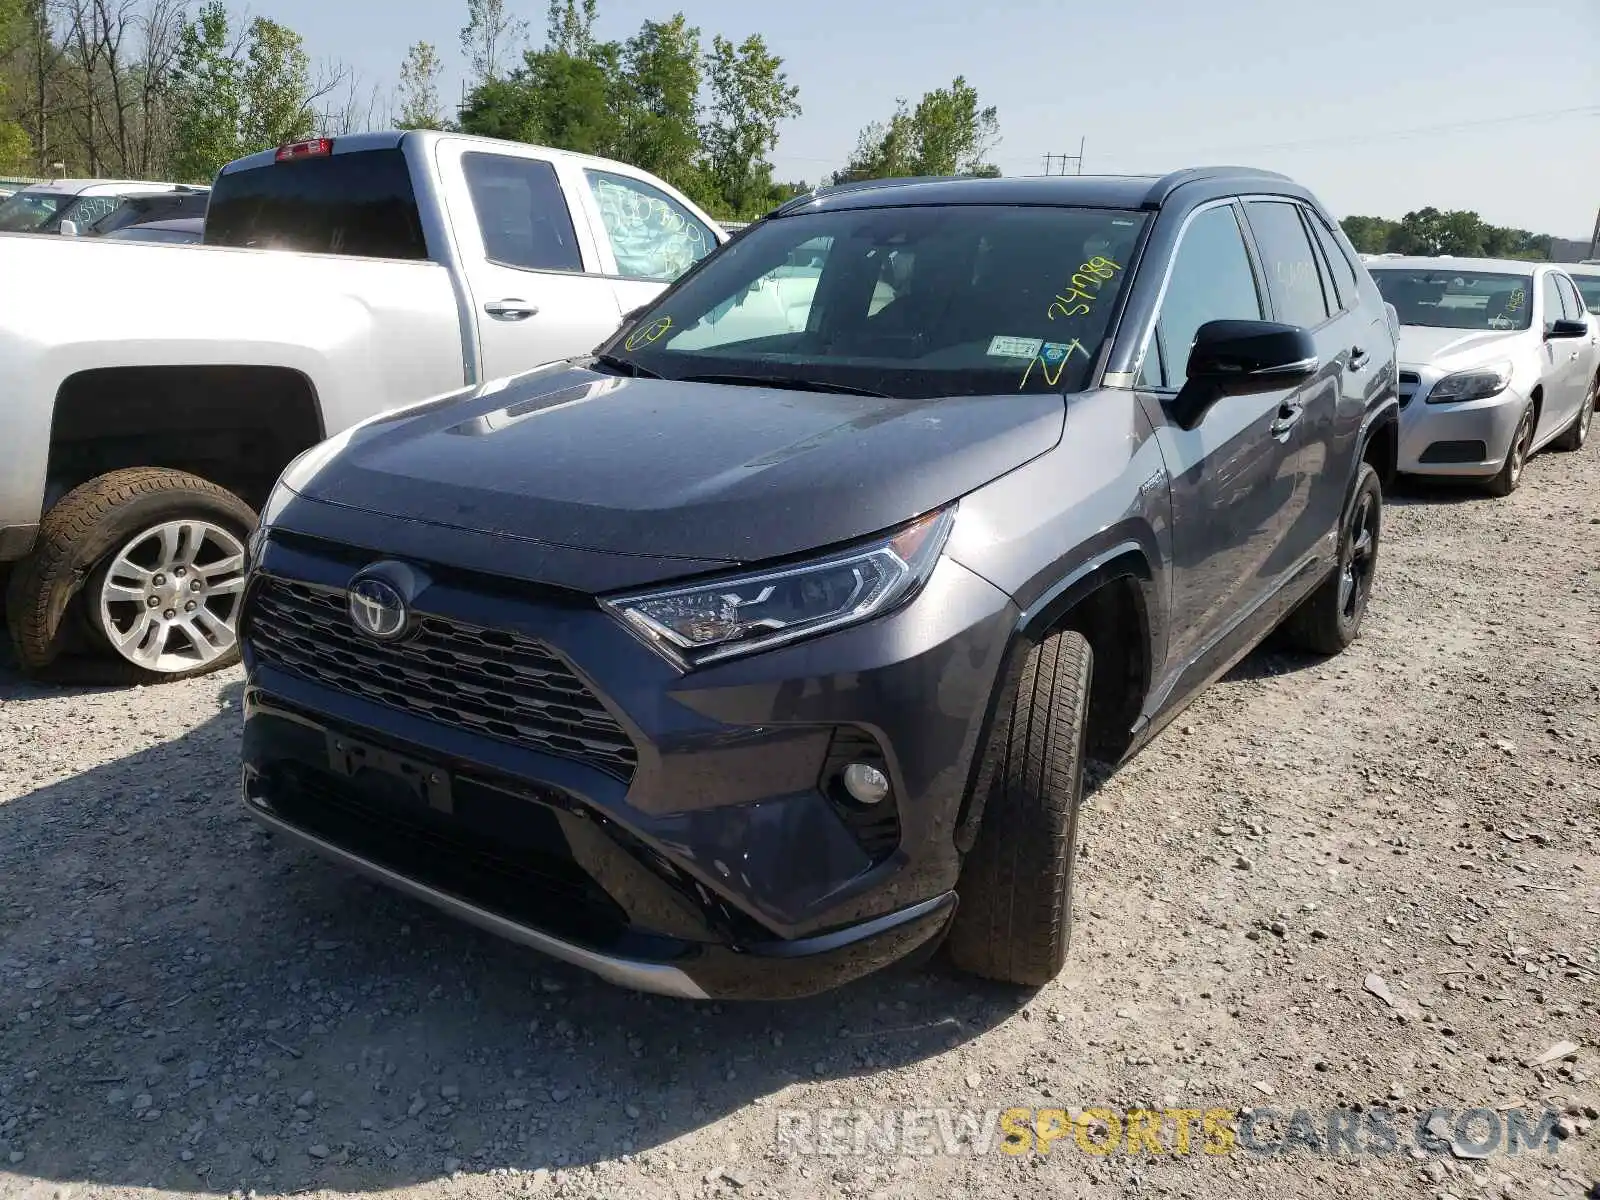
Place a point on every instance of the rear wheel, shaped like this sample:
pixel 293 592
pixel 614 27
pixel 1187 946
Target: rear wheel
pixel 1510 475
pixel 154 558
pixel 1330 618
pixel 1015 915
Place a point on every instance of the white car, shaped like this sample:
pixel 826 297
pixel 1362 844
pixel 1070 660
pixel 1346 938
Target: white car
pixel 69 205
pixel 153 394
pixel 1498 359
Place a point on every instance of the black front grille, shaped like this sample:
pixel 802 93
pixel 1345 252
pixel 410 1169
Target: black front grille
pixel 485 680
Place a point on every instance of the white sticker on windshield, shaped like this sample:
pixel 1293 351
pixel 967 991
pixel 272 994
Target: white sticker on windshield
pixel 1015 347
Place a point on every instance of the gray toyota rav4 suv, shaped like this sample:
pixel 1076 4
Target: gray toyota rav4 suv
pixel 766 645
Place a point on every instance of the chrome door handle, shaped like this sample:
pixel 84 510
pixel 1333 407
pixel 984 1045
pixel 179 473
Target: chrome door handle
pixel 1288 418
pixel 1358 358
pixel 511 309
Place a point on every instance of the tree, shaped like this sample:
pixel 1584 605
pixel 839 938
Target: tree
pixel 419 89
pixel 276 87
pixel 751 97
pixel 208 102
pixel 571 27
pixel 232 97
pixel 659 98
pixel 946 134
pixel 489 38
pixel 1430 231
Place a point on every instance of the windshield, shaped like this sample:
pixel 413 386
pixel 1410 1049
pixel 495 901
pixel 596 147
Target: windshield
pixel 1589 289
pixel 27 211
pixel 153 233
pixel 1440 299
pixel 911 302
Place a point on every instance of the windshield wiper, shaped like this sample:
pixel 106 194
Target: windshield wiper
pixel 784 381
pixel 625 366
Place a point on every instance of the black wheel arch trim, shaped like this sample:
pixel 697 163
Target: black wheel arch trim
pixel 1125 559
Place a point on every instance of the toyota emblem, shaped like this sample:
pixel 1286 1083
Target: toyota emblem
pixel 378 610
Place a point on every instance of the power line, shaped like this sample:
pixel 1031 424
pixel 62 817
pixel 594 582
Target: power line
pixel 1391 135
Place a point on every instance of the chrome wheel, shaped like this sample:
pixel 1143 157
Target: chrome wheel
pixel 1355 578
pixel 169 601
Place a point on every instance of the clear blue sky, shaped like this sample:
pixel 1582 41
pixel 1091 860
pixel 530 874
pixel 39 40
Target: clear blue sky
pixel 1379 105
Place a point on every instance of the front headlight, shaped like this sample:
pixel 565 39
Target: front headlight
pixel 1471 385
pixel 741 614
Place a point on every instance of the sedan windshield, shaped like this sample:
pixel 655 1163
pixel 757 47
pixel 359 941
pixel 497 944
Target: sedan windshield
pixel 1442 299
pixel 28 211
pixel 910 302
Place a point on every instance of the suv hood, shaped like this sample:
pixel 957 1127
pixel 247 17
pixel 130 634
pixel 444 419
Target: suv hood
pixel 1454 349
pixel 573 458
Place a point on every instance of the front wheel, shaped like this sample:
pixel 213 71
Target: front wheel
pixel 156 560
pixel 1015 914
pixel 1510 475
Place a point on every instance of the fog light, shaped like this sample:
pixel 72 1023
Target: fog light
pixel 865 783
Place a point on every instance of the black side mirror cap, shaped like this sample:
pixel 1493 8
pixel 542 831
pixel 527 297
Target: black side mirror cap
pixel 1236 358
pixel 1567 329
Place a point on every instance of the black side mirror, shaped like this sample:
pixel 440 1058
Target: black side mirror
pixel 1236 358
pixel 1562 328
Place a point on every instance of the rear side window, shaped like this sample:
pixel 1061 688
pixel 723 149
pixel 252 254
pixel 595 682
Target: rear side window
pixel 1344 275
pixel 359 204
pixel 1293 279
pixel 522 213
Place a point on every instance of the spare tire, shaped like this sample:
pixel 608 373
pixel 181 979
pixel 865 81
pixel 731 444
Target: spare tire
pixel 155 559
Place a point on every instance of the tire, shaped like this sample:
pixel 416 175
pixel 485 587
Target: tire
pixel 1575 435
pixel 1330 618
pixel 1014 920
pixel 92 544
pixel 1517 455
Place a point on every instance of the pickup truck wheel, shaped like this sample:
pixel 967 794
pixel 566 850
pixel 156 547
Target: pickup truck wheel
pixel 156 559
pixel 1329 619
pixel 1015 915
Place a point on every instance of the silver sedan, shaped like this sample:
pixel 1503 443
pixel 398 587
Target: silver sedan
pixel 1497 360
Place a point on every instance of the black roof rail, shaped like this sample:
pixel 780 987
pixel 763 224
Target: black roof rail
pixel 1173 180
pixel 856 185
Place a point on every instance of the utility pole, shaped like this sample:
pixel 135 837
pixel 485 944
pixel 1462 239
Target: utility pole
pixel 1594 240
pixel 1075 159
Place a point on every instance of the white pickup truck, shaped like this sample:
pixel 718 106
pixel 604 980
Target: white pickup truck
pixel 152 393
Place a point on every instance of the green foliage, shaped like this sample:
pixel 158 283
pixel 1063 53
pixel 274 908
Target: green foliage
pixel 419 89
pixel 946 134
pixel 233 97
pixel 1431 231
pixel 704 122
pixel 751 97
pixel 490 37
pixel 660 102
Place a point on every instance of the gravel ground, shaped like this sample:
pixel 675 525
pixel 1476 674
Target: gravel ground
pixel 1373 881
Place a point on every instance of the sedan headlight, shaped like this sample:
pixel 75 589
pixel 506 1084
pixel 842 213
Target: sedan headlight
pixel 741 614
pixel 1471 385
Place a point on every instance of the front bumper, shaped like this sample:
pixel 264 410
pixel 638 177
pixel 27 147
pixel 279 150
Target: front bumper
pixel 1470 439
pixel 720 864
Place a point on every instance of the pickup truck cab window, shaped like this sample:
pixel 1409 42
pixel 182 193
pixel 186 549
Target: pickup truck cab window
pixel 353 204
pixel 652 236
pixel 522 212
